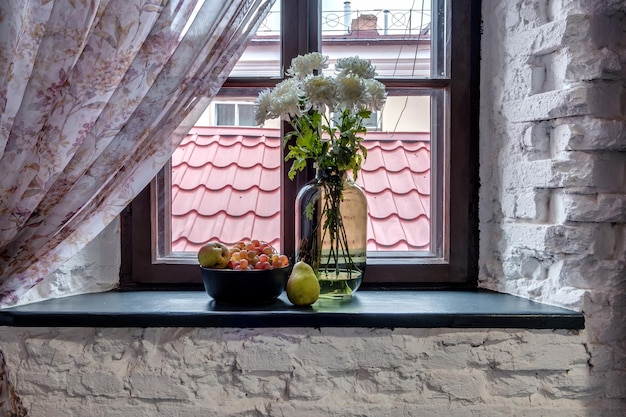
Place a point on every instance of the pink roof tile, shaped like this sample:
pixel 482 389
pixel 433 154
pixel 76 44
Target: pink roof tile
pixel 380 205
pixel 268 228
pixel 268 204
pixel 246 179
pixel 419 160
pixel 374 157
pixel 196 230
pixel 226 186
pixel 270 179
pixel 401 182
pixel 422 182
pixel 373 181
pixel 418 232
pixel 388 233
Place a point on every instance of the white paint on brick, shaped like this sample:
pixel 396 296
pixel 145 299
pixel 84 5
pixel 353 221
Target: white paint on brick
pixel 593 64
pixel 554 123
pixel 585 133
pixel 426 372
pixel 553 137
pixel 536 138
pixel 99 384
pixel 577 100
pixel 596 207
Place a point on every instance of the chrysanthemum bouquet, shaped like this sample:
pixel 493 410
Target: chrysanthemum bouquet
pixel 327 113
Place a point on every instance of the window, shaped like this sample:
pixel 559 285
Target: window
pixel 423 211
pixel 234 114
pixel 372 123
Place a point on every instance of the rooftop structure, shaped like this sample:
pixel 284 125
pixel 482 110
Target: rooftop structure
pixel 226 186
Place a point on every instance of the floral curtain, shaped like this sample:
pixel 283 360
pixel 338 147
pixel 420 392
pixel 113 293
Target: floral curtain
pixel 94 97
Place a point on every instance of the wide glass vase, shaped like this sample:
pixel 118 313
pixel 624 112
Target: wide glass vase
pixel 331 232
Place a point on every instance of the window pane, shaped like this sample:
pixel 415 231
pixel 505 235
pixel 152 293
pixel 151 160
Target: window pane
pixel 246 115
pixel 371 123
pixel 261 57
pixel 224 114
pixel 239 194
pixel 398 39
pixel 226 185
pixel 226 182
pixel 396 177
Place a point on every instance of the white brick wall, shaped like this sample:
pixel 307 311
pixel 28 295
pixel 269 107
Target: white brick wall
pixel 553 196
pixel 552 221
pixel 302 372
pixel 552 152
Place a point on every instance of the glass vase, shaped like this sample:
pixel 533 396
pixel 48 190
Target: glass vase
pixel 331 232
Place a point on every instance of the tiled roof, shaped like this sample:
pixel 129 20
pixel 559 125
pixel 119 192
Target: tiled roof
pixel 226 187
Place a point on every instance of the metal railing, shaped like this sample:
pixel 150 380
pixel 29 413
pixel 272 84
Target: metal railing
pixel 387 22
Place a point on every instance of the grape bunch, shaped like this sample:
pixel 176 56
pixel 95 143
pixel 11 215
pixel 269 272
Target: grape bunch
pixel 255 255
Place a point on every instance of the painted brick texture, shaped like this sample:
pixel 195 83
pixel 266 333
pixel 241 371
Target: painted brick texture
pixel 553 229
pixel 302 372
pixel 553 167
pixel 554 173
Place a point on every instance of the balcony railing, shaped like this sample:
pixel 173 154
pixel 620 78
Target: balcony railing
pixel 412 22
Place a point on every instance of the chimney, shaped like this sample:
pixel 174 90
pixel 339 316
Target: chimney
pixel 365 22
pixel 347 15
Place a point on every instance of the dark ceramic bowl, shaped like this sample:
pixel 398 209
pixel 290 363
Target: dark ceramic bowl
pixel 245 287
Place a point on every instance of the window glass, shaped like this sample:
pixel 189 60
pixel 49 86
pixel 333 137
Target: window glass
pixel 261 58
pixel 225 114
pixel 226 181
pixel 246 114
pixel 398 39
pixel 372 123
pixel 228 114
pixel 235 185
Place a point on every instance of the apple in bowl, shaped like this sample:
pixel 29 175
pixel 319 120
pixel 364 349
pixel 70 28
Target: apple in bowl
pixel 214 255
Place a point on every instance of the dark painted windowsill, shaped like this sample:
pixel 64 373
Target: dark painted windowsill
pixel 388 309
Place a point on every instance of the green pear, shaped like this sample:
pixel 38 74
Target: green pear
pixel 303 289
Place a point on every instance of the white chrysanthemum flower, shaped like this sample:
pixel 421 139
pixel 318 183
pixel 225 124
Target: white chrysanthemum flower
pixel 263 107
pixel 355 66
pixel 306 96
pixel 305 65
pixel 286 99
pixel 376 94
pixel 351 92
pixel 320 91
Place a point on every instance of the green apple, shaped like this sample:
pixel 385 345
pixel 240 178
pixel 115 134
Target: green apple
pixel 302 288
pixel 214 255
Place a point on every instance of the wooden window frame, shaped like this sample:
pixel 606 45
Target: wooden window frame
pixel 459 224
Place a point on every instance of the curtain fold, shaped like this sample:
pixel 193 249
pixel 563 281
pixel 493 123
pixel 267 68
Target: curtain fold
pixel 95 97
